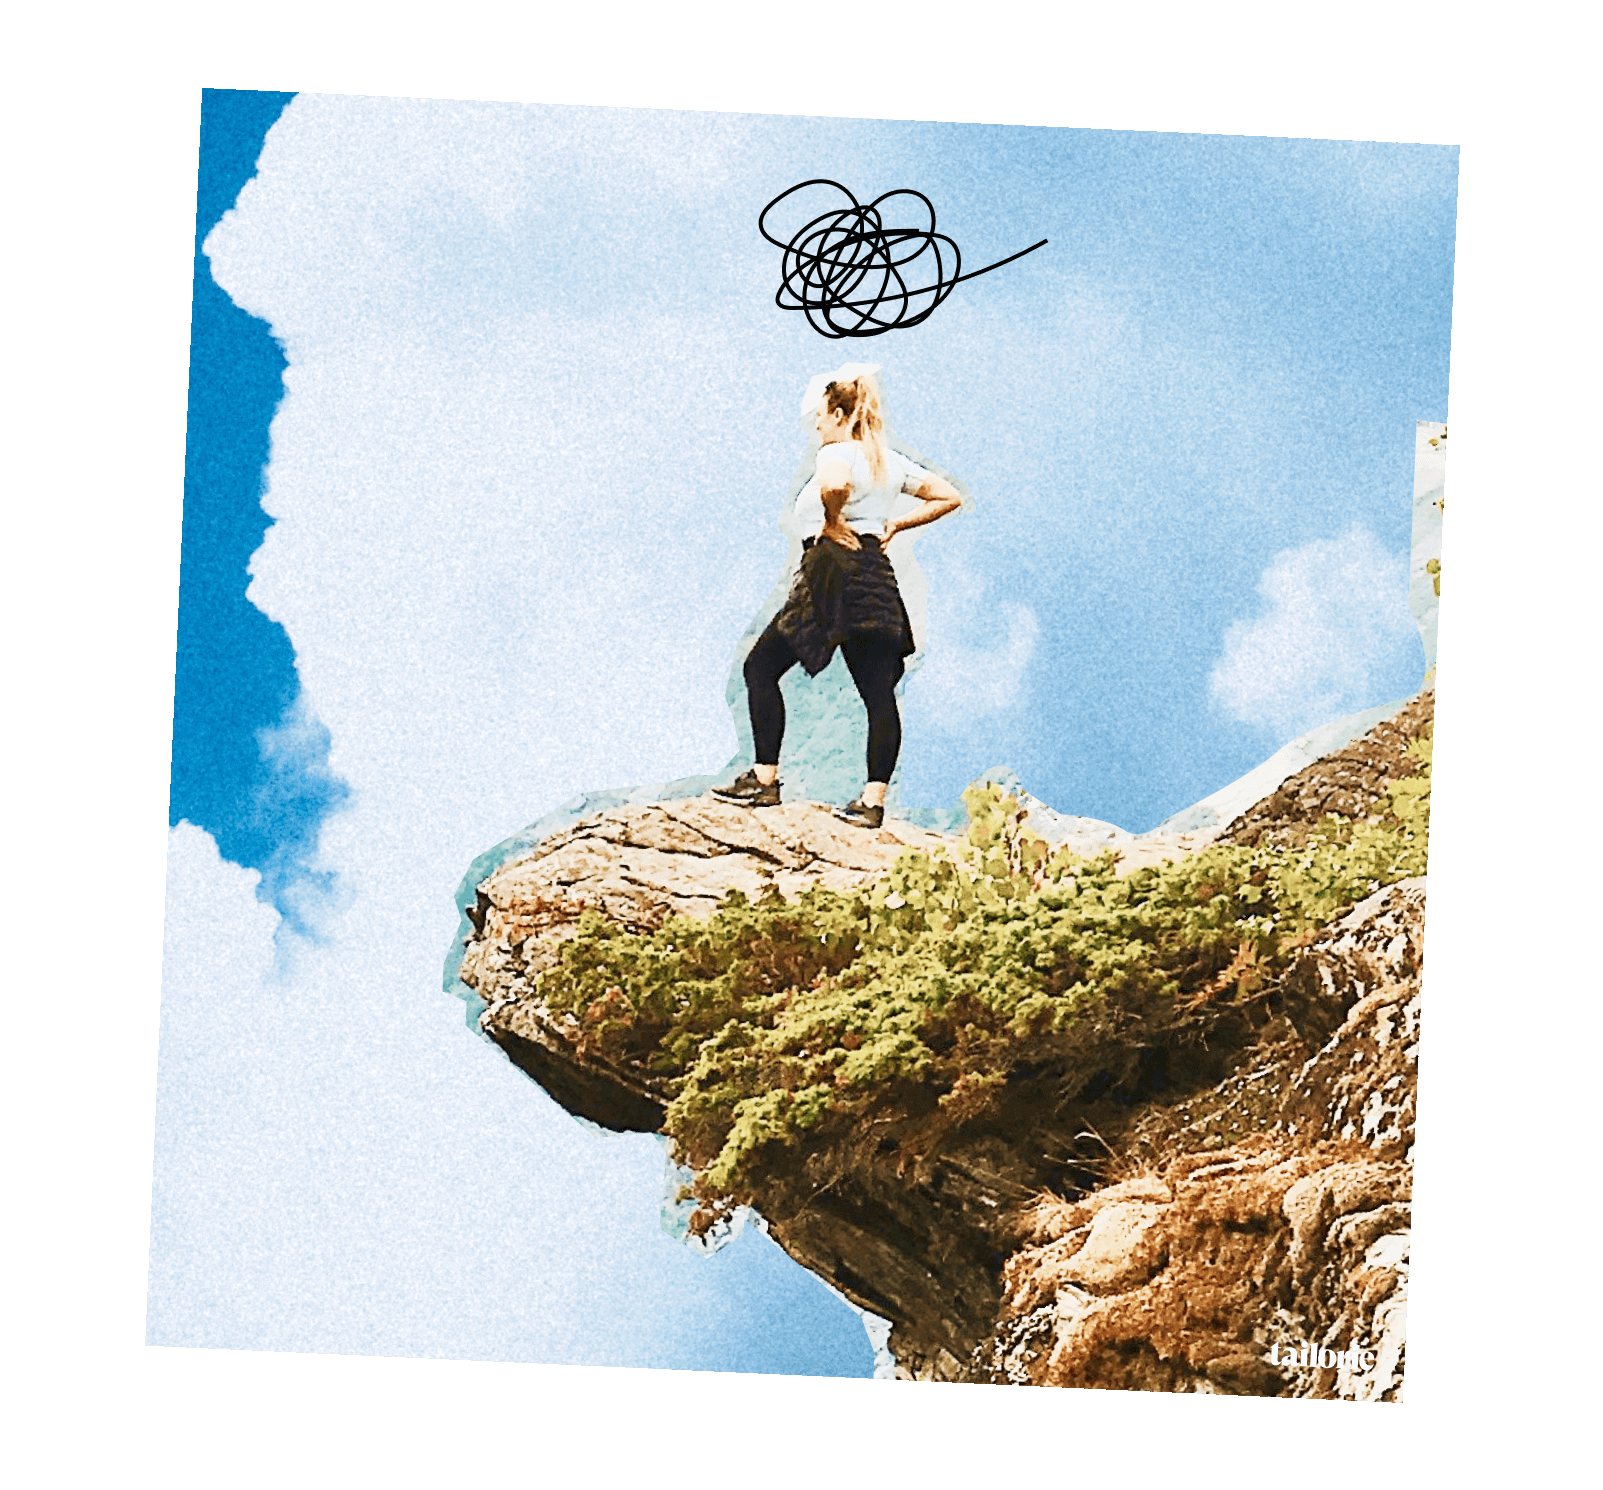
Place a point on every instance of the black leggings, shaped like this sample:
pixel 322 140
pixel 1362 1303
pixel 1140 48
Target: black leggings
pixel 876 666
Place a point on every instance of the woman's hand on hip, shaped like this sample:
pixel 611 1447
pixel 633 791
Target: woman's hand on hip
pixel 838 532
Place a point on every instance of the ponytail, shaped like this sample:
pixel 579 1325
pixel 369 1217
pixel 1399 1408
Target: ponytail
pixel 859 399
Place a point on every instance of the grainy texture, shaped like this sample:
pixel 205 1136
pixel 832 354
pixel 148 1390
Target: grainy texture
pixel 1272 1210
pixel 839 591
pixel 637 866
pixel 1164 1238
pixel 1350 782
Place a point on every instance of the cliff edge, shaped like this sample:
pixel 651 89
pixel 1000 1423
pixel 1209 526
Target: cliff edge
pixel 1065 1109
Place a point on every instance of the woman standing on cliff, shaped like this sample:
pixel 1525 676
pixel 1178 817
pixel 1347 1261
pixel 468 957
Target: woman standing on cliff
pixel 844 594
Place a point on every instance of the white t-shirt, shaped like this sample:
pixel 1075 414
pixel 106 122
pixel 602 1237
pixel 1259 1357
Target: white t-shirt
pixel 870 505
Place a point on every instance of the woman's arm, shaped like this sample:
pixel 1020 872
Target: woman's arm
pixel 939 497
pixel 834 490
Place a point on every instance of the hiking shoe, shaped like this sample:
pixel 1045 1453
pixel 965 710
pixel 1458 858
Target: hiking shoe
pixel 747 791
pixel 861 814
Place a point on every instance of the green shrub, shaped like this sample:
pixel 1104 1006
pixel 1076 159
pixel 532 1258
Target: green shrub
pixel 955 971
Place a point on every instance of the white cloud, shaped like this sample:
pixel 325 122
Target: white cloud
pixel 341 1165
pixel 516 543
pixel 377 211
pixel 1336 626
pixel 292 794
pixel 962 680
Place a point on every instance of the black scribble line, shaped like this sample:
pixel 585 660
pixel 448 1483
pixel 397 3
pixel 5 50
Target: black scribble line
pixel 843 269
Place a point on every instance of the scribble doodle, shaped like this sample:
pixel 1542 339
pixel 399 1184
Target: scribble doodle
pixel 853 276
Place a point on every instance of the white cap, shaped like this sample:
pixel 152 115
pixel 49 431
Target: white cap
pixel 848 373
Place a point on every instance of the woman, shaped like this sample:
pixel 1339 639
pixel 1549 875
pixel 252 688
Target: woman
pixel 844 594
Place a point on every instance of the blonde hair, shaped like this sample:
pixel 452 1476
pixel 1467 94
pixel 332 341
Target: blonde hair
pixel 859 400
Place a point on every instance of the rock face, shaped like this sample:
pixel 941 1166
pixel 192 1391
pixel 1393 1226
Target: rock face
pixel 1350 781
pixel 638 865
pixel 1255 1202
pixel 1269 1213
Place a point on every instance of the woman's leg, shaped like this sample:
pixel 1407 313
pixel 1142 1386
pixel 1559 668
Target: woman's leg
pixel 876 667
pixel 768 661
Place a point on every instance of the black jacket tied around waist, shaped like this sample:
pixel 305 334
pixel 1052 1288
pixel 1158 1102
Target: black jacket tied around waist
pixel 837 593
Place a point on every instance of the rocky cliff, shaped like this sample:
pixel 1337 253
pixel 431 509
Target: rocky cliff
pixel 1176 1157
pixel 1267 1214
pixel 637 866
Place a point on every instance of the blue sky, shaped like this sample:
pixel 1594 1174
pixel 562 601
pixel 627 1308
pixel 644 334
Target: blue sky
pixel 540 417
